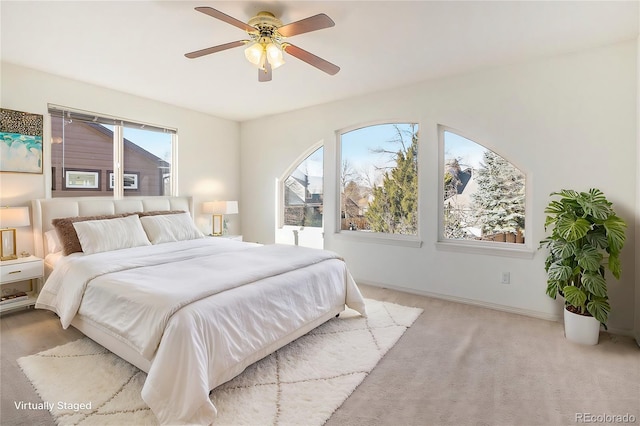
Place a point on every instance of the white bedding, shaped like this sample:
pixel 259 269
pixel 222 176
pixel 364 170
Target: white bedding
pixel 198 309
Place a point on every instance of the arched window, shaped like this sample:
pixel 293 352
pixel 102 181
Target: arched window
pixel 378 178
pixel 483 193
pixel 300 192
pixel 303 192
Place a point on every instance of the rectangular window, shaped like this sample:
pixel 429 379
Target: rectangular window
pixel 147 162
pixel 86 151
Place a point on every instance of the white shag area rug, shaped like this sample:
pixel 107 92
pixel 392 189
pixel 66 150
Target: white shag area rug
pixel 302 383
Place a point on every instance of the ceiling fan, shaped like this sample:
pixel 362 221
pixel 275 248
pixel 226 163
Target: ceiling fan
pixel 266 42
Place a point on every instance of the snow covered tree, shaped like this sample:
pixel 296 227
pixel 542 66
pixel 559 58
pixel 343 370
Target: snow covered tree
pixel 499 200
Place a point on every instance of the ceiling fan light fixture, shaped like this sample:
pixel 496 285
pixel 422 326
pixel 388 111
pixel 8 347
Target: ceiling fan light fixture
pixel 274 55
pixel 266 45
pixel 254 54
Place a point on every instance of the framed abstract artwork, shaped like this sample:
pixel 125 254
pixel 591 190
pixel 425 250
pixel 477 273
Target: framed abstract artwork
pixel 20 141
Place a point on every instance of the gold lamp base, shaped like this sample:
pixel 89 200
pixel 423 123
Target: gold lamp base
pixel 8 246
pixel 217 227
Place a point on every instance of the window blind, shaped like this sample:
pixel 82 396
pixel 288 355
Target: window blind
pixel 90 117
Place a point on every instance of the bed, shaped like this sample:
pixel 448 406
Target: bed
pixel 190 310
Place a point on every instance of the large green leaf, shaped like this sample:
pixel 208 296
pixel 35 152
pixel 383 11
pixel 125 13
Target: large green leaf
pixel 559 272
pixel 599 308
pixel 555 207
pixel 594 283
pixel 572 228
pixel 589 258
pixel 563 249
pixel 552 288
pixel 595 204
pixel 614 265
pixel 615 227
pixel 598 237
pixel 574 296
pixel 569 194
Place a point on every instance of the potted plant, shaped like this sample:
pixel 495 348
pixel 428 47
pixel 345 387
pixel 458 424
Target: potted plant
pixel 586 240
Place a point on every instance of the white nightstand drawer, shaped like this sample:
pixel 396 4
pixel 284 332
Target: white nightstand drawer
pixel 21 271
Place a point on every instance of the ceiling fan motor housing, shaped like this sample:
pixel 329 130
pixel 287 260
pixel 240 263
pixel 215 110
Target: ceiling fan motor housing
pixel 267 25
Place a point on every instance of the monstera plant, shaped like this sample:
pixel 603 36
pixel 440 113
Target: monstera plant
pixel 585 241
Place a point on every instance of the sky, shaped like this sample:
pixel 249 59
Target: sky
pixel 467 152
pixel 157 143
pixel 356 145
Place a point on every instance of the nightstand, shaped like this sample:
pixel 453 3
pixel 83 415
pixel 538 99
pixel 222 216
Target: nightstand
pixel 22 269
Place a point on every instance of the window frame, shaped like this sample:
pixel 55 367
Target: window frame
pixel 280 186
pixel 414 241
pixel 118 145
pixel 525 250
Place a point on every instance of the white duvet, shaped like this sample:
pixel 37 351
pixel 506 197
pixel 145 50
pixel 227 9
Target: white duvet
pixel 198 309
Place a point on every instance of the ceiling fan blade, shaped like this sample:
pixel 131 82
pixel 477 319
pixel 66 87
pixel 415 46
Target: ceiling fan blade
pixel 265 74
pixel 312 23
pixel 226 18
pixel 311 59
pixel 214 49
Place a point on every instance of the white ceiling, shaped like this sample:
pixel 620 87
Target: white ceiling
pixel 138 47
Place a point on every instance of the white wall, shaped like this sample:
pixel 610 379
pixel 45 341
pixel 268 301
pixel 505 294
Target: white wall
pixel 208 160
pixel 569 121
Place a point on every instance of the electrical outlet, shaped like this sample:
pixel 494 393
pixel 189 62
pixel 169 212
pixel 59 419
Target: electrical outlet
pixel 506 278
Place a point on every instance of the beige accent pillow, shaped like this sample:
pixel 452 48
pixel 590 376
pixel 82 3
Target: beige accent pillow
pixel 67 233
pixel 97 236
pixel 170 227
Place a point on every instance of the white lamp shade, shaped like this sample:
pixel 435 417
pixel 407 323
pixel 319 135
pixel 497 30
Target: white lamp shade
pixel 274 56
pixel 253 53
pixel 14 217
pixel 220 207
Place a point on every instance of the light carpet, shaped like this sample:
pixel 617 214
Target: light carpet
pixel 303 383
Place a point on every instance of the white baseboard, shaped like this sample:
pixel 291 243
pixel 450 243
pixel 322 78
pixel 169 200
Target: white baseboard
pixel 494 306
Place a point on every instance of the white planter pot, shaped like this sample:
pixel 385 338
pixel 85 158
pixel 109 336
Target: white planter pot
pixel 581 329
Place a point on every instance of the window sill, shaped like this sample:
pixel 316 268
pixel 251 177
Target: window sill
pixel 378 238
pixel 488 248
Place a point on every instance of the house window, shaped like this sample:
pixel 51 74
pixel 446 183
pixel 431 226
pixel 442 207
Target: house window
pixel 86 151
pixel 303 192
pixel 378 178
pixel 483 193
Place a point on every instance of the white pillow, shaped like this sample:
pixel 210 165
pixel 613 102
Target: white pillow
pixel 167 228
pixel 96 236
pixel 53 242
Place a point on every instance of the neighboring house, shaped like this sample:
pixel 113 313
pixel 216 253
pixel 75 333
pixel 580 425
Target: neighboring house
pixel 303 200
pixel 87 153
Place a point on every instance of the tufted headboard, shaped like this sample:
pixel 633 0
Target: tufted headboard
pixel 47 209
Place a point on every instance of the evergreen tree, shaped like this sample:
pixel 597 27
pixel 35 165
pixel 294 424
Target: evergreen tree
pixel 455 217
pixel 499 200
pixel 394 208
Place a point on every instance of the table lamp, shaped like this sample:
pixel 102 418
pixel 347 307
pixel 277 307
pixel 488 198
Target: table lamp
pixel 10 219
pixel 219 209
